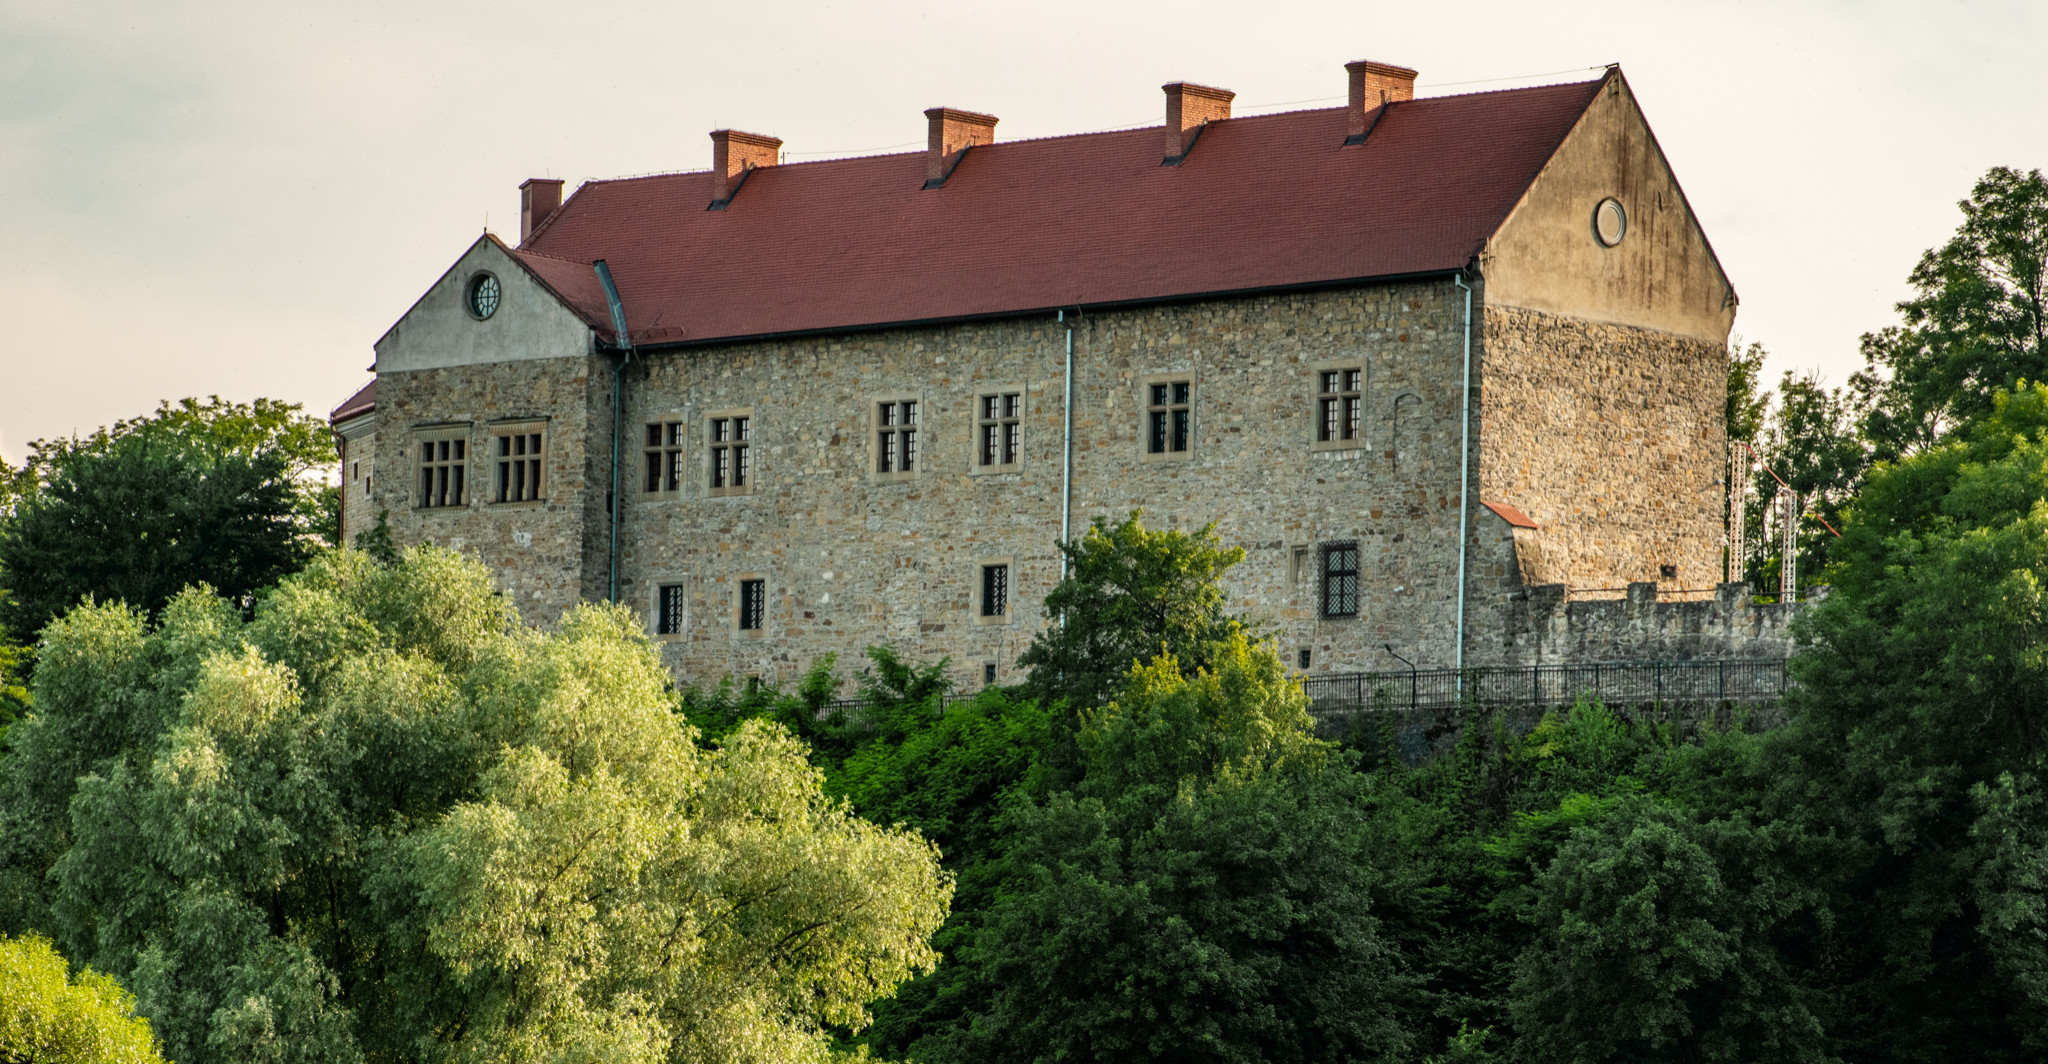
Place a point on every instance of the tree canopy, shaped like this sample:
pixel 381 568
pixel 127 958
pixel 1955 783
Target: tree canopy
pixel 47 1015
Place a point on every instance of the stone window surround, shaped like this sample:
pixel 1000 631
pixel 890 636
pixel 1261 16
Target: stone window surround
pixel 681 420
pixel 1323 573
pixel 1023 394
pixel 874 448
pixel 975 589
pixel 752 443
pixel 1363 365
pixel 1145 382
pixel 739 583
pixel 655 587
pixel 507 427
pixel 435 432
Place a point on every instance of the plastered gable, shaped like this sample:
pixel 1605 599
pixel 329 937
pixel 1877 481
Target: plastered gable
pixel 1662 275
pixel 439 332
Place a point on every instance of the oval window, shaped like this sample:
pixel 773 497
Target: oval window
pixel 482 298
pixel 1610 222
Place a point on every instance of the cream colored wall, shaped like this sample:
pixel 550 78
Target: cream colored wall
pixel 439 332
pixel 1661 276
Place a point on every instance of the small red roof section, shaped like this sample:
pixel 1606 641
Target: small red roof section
pixel 1267 202
pixel 1511 515
pixel 364 401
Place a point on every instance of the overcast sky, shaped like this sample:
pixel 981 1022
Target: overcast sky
pixel 239 198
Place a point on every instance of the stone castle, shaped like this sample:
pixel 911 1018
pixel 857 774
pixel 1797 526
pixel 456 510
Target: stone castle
pixel 1441 365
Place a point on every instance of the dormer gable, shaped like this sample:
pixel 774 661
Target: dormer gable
pixel 492 305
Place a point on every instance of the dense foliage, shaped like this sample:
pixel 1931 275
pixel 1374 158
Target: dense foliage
pixel 48 1015
pixel 383 821
pixel 225 494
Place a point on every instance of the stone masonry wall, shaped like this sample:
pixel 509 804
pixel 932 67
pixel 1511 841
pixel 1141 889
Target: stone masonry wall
pixel 1611 438
pixel 1541 626
pixel 540 550
pixel 851 559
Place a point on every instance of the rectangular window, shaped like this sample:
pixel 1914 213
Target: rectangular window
pixel 517 456
pixel 731 470
pixel 999 430
pixel 1338 405
pixel 753 605
pixel 995 590
pixel 443 464
pixel 1169 416
pixel 896 437
pixel 662 450
pixel 668 609
pixel 1340 580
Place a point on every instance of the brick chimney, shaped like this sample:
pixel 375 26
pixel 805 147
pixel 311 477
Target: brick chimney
pixel 1189 107
pixel 952 133
pixel 1373 84
pixel 733 153
pixel 539 199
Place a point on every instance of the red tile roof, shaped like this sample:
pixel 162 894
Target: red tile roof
pixel 364 401
pixel 1260 203
pixel 1509 514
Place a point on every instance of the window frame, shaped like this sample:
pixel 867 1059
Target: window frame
pixel 1324 575
pixel 659 614
pixel 1146 410
pixel 671 452
pixel 978 590
pixel 1318 397
pixel 741 582
pixel 458 434
pixel 999 423
pixel 535 461
pixel 751 474
pixel 919 430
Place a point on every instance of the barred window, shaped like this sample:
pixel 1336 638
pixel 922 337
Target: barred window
pixel 896 436
pixel 443 464
pixel 753 605
pixel 1338 405
pixel 995 590
pixel 518 465
pixel 663 451
pixel 668 609
pixel 1169 416
pixel 731 470
pixel 999 429
pixel 1340 580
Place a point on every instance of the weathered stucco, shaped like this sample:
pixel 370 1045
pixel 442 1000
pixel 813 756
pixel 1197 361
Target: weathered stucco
pixel 1662 275
pixel 439 331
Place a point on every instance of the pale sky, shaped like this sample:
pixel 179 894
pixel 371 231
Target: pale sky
pixel 239 198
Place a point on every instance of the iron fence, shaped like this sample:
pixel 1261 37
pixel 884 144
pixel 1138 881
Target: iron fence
pixel 1745 681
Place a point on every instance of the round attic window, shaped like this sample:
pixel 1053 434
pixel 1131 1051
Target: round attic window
pixel 482 296
pixel 1610 222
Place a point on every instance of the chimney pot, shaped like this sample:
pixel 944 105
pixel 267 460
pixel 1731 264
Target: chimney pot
pixel 952 132
pixel 1189 107
pixel 1372 85
pixel 733 153
pixel 539 199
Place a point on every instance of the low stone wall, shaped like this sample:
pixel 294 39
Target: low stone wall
pixel 1542 626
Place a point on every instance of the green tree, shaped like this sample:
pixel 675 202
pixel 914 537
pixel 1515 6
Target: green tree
pixel 228 494
pixel 1200 895
pixel 46 1015
pixel 1130 595
pixel 1975 324
pixel 383 821
pixel 1811 437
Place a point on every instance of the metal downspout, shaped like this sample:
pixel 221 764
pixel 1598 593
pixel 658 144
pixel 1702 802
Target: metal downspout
pixel 1464 482
pixel 1067 458
pixel 624 345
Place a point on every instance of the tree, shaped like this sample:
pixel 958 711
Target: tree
pixel 1811 437
pixel 381 820
pixel 1130 595
pixel 1977 323
pixel 1200 895
pixel 46 1015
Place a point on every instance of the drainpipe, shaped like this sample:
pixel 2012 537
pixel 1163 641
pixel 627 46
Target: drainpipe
pixel 623 345
pixel 1067 459
pixel 1464 480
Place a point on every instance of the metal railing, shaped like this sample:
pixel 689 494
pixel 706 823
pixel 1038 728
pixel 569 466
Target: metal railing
pixel 1746 681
